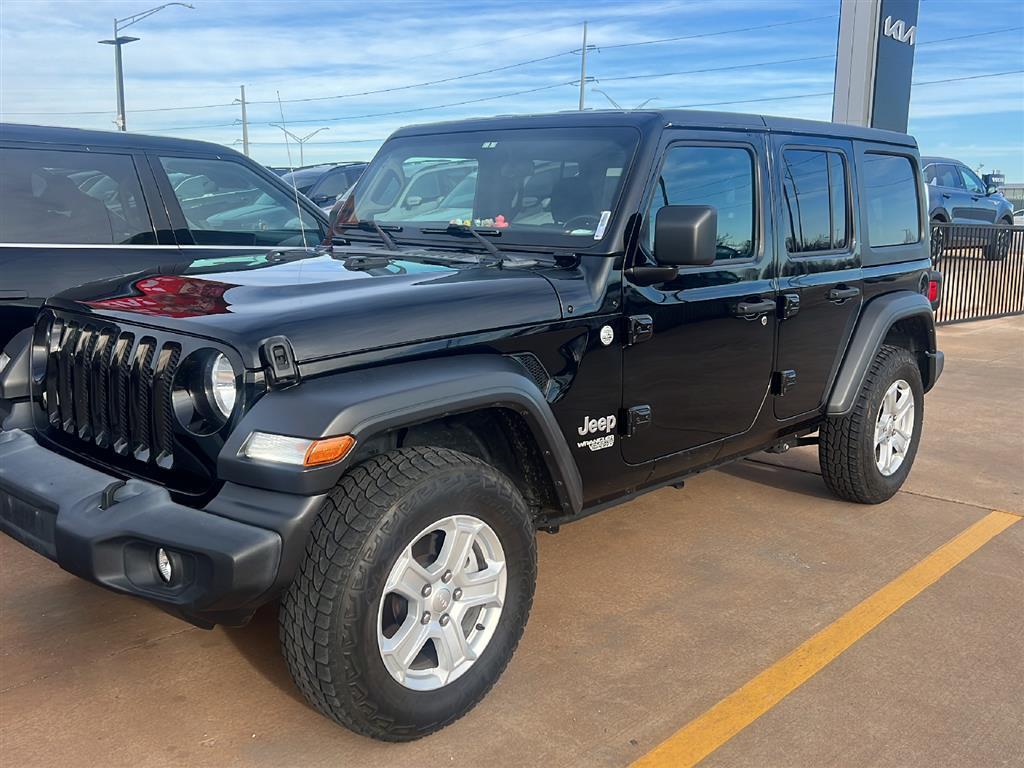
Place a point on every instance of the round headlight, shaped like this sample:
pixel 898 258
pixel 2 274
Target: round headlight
pixel 221 384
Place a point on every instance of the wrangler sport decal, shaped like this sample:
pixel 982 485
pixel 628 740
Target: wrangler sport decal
pixel 593 427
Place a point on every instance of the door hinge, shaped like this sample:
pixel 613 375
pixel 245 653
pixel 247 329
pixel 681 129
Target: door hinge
pixel 783 381
pixel 279 362
pixel 790 305
pixel 636 417
pixel 639 328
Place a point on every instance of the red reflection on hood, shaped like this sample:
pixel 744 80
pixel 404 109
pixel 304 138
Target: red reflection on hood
pixel 171 296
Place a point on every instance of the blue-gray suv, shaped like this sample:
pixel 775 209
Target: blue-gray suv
pixel 957 196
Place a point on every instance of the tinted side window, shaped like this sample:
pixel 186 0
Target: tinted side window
pixel 971 181
pixel 814 193
pixel 890 190
pixel 722 177
pixel 942 175
pixel 226 203
pixel 54 196
pixel 332 184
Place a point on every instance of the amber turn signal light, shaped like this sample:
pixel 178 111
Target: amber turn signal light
pixel 328 450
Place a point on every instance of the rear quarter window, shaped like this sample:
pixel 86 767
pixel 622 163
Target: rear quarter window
pixel 891 201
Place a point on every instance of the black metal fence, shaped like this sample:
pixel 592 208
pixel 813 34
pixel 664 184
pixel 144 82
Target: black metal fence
pixel 982 270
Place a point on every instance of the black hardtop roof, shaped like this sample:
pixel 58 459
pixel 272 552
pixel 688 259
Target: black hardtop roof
pixel 648 119
pixel 47 134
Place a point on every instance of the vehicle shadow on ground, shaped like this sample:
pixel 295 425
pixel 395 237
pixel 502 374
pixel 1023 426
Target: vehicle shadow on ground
pixel 779 477
pixel 258 644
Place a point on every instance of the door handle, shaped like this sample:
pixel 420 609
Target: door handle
pixel 945 196
pixel 751 308
pixel 841 294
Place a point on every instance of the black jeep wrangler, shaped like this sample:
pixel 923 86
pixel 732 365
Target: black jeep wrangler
pixel 593 306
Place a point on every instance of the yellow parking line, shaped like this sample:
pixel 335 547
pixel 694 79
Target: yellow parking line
pixel 702 736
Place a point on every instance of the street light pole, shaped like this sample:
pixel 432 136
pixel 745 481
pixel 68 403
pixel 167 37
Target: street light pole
pixel 300 140
pixel 120 40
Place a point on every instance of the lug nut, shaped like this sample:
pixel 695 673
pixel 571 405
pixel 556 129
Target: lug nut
pixel 446 576
pixel 444 620
pixel 426 590
pixel 425 619
pixel 457 593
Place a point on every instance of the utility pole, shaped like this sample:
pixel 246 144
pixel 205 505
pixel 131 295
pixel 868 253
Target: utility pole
pixel 245 124
pixel 120 40
pixel 583 68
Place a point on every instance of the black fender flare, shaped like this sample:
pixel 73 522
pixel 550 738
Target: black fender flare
pixel 368 401
pixel 877 317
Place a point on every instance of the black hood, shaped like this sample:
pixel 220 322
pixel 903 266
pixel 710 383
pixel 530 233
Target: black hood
pixel 325 304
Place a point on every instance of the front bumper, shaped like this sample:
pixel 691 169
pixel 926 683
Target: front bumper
pixel 228 558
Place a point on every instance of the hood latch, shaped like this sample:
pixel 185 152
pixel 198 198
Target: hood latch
pixel 279 362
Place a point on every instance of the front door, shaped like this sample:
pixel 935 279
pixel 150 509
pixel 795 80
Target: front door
pixel 705 369
pixel 981 209
pixel 819 268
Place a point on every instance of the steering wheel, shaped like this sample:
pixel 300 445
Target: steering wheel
pixel 733 253
pixel 587 221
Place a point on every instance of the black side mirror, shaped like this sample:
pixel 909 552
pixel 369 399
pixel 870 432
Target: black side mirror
pixel 685 235
pixel 991 190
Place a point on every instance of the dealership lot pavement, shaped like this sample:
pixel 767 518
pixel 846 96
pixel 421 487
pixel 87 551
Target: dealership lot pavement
pixel 645 617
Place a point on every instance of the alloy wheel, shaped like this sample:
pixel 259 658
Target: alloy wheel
pixel 894 427
pixel 441 602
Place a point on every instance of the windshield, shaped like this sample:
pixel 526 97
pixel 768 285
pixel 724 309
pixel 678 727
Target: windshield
pixel 535 186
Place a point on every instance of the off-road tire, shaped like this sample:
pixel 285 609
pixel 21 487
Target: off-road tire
pixel 328 619
pixel 846 445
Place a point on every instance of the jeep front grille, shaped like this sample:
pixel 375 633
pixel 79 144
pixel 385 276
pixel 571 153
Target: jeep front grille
pixel 113 389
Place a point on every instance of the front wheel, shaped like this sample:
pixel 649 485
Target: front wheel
pixel 417 584
pixel 867 454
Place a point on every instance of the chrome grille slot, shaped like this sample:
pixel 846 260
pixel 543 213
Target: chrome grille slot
pixel 119 411
pixel 163 409
pixel 65 392
pixel 140 391
pixel 99 371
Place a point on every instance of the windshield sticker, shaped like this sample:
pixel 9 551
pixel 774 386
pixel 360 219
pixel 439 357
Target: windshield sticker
pixel 602 225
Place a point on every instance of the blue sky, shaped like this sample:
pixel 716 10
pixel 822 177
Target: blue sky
pixel 50 63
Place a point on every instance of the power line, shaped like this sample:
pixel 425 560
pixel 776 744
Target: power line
pixel 786 61
pixel 713 69
pixel 830 93
pixel 382 114
pixel 716 34
pixel 392 89
pixel 423 84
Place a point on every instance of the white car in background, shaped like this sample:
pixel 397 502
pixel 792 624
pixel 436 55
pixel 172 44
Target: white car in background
pixel 1018 218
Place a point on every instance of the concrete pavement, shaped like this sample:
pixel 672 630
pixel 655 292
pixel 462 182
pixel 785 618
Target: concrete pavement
pixel 645 616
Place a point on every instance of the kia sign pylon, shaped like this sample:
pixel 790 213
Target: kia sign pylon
pixel 875 63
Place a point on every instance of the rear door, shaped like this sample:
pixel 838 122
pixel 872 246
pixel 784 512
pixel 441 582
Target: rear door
pixel 71 215
pixel 819 267
pixel 704 368
pixel 946 184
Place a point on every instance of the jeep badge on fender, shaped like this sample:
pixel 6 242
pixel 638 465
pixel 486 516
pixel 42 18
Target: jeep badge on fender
pixel 370 432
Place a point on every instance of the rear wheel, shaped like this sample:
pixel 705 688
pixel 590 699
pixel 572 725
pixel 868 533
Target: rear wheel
pixel 867 454
pixel 998 247
pixel 417 583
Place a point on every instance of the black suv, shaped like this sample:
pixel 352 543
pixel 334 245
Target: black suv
pixel 78 206
pixel 373 431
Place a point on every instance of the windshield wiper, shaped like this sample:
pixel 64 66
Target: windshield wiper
pixel 461 229
pixel 373 226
